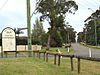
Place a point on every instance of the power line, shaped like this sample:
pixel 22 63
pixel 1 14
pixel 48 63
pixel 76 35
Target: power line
pixel 3 4
pixel 92 2
pixel 81 4
pixel 86 4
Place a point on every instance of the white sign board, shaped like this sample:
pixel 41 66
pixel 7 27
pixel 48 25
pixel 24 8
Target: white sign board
pixel 8 40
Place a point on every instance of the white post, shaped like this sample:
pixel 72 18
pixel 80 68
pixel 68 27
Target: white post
pixel 90 52
pixel 68 49
pixel 59 52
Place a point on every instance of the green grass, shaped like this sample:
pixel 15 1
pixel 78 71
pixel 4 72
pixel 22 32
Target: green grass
pixel 35 66
pixel 30 66
pixel 87 67
pixel 90 46
pixel 96 47
pixel 62 49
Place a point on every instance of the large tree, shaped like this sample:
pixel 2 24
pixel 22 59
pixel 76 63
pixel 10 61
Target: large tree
pixel 51 9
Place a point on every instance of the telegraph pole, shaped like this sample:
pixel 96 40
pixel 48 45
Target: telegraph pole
pixel 29 28
pixel 95 32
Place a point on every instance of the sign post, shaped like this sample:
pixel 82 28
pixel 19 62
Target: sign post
pixel 8 40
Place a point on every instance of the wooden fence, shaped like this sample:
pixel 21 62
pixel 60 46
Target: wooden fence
pixel 46 56
pixel 71 56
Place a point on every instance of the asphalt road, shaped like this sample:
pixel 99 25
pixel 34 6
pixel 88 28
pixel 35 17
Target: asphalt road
pixel 85 51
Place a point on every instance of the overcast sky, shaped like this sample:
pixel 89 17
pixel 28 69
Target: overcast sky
pixel 13 14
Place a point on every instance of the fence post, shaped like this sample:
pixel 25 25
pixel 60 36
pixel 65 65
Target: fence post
pixel 59 59
pixel 71 58
pixel 78 65
pixel 55 59
pixel 5 54
pixel 39 55
pixel 16 54
pixel 1 54
pixel 33 53
pixel 46 57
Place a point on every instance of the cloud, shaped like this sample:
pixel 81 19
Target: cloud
pixel 77 20
pixel 13 14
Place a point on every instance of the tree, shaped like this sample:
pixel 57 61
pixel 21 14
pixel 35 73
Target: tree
pixel 51 9
pixel 56 37
pixel 56 40
pixel 93 26
pixel 70 34
pixel 80 37
pixel 0 39
pixel 18 31
pixel 20 40
pixel 38 33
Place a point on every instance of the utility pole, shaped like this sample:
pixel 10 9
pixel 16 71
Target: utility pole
pixel 29 28
pixel 95 32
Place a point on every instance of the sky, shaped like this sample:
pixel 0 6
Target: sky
pixel 13 14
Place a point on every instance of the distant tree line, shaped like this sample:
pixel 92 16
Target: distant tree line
pixel 88 33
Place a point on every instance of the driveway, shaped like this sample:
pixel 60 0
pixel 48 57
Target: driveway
pixel 85 51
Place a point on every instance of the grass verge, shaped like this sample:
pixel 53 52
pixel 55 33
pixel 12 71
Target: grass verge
pixel 30 66
pixel 35 66
pixel 90 46
pixel 62 50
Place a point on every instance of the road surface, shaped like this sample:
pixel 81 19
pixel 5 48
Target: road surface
pixel 85 51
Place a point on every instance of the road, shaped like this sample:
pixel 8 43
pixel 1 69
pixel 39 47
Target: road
pixel 85 51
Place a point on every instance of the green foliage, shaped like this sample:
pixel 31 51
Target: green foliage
pixel 0 39
pixel 69 35
pixel 59 22
pixel 52 8
pixel 89 30
pixel 56 39
pixel 21 40
pixel 17 31
pixel 80 37
pixel 38 33
pixel 30 66
pixel 54 11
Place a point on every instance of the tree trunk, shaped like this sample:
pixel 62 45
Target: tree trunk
pixel 48 43
pixel 52 23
